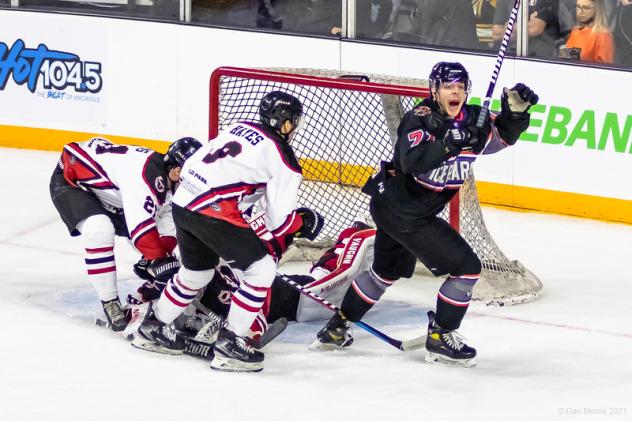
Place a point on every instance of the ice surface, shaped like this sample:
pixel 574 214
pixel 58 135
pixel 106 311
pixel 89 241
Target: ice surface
pixel 565 356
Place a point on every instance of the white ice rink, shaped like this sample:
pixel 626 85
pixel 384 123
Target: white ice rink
pixel 566 356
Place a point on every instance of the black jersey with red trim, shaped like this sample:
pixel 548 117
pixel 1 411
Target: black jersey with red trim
pixel 247 163
pixel 126 179
pixel 426 176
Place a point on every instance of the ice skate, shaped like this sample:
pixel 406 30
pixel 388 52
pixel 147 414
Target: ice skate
pixel 234 353
pixel 115 314
pixel 447 346
pixel 156 336
pixel 335 335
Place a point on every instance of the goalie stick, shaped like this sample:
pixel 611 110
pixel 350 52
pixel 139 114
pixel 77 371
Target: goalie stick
pixel 406 345
pixel 499 62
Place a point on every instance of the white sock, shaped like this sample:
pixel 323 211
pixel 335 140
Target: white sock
pixel 179 292
pixel 98 237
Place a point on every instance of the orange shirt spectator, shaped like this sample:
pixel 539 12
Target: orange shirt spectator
pixel 592 34
pixel 595 46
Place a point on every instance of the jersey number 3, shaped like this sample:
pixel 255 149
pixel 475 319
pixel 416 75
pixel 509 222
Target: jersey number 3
pixel 230 149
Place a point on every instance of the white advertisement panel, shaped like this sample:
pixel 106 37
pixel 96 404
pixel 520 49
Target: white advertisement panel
pixel 52 74
pixel 579 140
pixel 154 77
pixel 150 80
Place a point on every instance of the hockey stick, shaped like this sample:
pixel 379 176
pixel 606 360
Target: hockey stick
pixel 499 62
pixel 406 345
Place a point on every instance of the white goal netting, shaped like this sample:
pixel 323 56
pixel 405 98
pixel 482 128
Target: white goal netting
pixel 351 123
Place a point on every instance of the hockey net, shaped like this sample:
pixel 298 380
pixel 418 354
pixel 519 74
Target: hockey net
pixel 350 126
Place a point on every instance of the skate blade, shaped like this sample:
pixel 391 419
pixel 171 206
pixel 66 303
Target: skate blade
pixel 220 363
pixel 320 346
pixel 105 324
pixel 146 345
pixel 433 358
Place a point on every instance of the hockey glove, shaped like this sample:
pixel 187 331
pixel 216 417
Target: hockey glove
pixel 140 269
pixel 518 99
pixel 514 118
pixel 478 137
pixel 278 245
pixel 454 140
pixel 151 290
pixel 312 224
pixel 164 268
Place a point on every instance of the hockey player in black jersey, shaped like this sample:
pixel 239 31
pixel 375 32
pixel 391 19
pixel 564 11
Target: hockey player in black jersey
pixel 437 143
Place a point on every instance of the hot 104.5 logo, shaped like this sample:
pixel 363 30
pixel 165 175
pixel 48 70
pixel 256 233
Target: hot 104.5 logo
pixel 57 70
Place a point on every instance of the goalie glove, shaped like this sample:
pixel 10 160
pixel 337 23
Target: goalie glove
pixel 312 224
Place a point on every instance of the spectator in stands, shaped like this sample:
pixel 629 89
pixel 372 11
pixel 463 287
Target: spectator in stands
pixel 623 33
pixel 591 35
pixel 544 28
pixel 373 17
pixel 446 23
pixel 568 17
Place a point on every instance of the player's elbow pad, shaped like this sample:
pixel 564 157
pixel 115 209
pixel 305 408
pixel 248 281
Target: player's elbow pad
pixel 511 125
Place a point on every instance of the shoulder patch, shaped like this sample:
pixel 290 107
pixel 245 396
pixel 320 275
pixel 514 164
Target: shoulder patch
pixel 422 110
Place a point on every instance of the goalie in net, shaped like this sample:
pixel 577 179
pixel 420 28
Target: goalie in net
pixel 329 278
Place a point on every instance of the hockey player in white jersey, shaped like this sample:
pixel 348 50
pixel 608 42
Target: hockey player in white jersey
pixel 329 277
pixel 247 163
pixel 101 190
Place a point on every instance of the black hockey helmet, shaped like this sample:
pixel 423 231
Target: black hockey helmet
pixel 446 72
pixel 278 107
pixel 181 150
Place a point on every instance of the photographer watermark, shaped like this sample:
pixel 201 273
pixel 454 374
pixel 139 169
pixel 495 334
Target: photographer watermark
pixel 599 411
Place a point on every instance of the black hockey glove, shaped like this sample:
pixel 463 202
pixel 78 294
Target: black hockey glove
pixel 312 224
pixel 518 99
pixel 140 269
pixel 454 140
pixel 514 118
pixel 164 268
pixel 151 290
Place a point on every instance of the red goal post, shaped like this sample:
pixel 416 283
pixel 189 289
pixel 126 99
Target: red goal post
pixel 351 124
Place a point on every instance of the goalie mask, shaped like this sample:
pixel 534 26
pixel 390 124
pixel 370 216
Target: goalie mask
pixel 278 107
pixel 445 72
pixel 181 150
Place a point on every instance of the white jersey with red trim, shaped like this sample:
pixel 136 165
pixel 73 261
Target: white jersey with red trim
pixel 125 178
pixel 245 164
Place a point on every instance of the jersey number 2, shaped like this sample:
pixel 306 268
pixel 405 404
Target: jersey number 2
pixel 230 149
